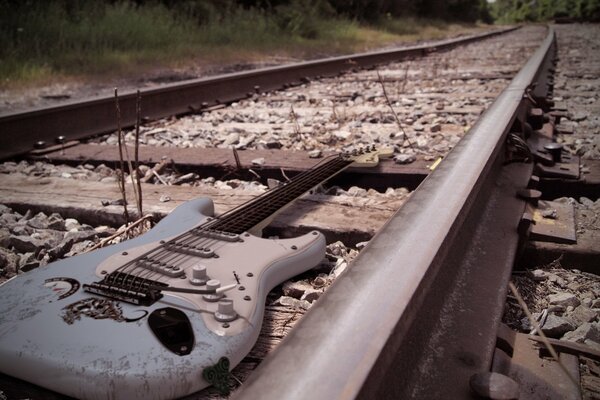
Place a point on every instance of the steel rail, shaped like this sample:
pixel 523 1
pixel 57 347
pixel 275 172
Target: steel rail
pixel 21 131
pixel 417 313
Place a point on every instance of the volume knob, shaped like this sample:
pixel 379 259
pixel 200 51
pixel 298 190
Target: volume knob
pixel 199 276
pixel 213 284
pixel 225 311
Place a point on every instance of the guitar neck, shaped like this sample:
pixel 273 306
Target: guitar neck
pixel 252 213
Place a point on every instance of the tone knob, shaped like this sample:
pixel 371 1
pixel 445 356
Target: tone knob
pixel 199 276
pixel 213 284
pixel 225 311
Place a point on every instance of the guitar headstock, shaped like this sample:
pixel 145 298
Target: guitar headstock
pixel 368 156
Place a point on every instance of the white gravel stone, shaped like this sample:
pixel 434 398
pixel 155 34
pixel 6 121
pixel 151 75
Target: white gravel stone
pixel 564 299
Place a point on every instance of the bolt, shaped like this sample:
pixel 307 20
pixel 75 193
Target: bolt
pixel 555 150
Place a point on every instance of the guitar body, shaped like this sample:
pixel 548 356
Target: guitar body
pixel 58 336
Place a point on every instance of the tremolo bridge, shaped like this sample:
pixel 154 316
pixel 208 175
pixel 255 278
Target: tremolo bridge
pixel 128 288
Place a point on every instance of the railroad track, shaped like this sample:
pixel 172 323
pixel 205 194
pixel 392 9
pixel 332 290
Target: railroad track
pixel 351 331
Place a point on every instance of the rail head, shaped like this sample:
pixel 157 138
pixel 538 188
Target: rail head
pixel 349 342
pixel 21 131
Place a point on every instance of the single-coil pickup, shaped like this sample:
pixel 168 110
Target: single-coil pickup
pixel 218 235
pixel 161 267
pixel 203 252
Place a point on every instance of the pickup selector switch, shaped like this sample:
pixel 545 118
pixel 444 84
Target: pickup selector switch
pixel 225 311
pixel 199 276
pixel 213 284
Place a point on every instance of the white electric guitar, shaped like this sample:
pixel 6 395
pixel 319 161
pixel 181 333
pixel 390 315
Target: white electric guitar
pixel 163 315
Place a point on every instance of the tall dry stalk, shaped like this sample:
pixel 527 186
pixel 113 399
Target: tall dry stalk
pixel 138 174
pixel 389 103
pixel 121 180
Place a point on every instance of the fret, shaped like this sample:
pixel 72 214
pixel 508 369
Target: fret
pixel 254 212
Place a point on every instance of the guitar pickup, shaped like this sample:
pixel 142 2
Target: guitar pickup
pixel 202 252
pixel 218 235
pixel 161 267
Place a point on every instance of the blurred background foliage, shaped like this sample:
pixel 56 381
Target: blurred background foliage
pixel 510 11
pixel 40 39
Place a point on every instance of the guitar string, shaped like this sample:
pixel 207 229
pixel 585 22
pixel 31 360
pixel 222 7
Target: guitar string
pixel 313 176
pixel 195 238
pixel 291 192
pixel 281 198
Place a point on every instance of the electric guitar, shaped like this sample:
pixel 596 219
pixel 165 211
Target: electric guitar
pixel 165 314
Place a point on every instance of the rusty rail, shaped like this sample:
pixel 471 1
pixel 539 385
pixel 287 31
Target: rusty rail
pixel 20 132
pixel 418 312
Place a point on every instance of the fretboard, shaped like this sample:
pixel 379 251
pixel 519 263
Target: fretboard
pixel 252 213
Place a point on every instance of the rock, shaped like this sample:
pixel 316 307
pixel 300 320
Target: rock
pixel 8 219
pixel 104 231
pixel 342 134
pixel 320 281
pixel 164 198
pixel 556 326
pixel 574 286
pixel 61 249
pixel 557 279
pixel 71 223
pixel 230 139
pixel 311 295
pixel 56 222
pixel 296 289
pixel 4 237
pixel 355 191
pixel 38 221
pixel 564 299
pixel 25 244
pixel 582 314
pixel 556 309
pixel 273 144
pixel 315 154
pixel 361 245
pixel 404 158
pixel 258 161
pixel 21 229
pixel 588 330
pixel 79 248
pixel 538 275
pixel 550 214
pixel 435 128
pixel 28 261
pixel 3 260
pixel 81 236
pixel 292 302
pixel 48 237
